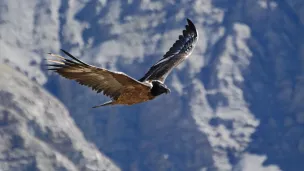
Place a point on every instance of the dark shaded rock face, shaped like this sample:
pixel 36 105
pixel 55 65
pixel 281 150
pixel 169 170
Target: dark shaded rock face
pixel 37 132
pixel 235 104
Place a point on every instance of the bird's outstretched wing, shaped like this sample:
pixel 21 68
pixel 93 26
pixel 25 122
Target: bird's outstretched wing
pixel 180 50
pixel 110 83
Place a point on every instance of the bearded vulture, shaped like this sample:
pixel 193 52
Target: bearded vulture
pixel 121 88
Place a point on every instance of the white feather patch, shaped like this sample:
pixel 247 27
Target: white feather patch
pixel 163 60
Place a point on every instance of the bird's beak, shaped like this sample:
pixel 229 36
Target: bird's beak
pixel 168 91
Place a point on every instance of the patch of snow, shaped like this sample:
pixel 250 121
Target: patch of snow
pixel 267 4
pixel 177 85
pixel 252 162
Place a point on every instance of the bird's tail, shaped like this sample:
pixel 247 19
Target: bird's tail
pixel 104 104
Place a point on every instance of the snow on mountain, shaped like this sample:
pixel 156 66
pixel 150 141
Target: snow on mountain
pixel 239 93
pixel 230 124
pixel 27 31
pixel 250 162
pixel 37 132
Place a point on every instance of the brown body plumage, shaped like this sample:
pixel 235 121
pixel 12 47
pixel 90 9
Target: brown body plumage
pixel 134 95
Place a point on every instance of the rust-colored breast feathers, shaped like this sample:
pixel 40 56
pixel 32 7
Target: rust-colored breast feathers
pixel 134 94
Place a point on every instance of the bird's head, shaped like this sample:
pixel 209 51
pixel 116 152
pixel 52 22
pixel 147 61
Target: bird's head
pixel 159 88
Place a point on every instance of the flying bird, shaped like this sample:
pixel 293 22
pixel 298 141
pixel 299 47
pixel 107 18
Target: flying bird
pixel 120 87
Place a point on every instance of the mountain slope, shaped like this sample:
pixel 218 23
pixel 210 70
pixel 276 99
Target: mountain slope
pixel 37 132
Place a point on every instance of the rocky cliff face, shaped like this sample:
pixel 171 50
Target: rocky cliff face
pixel 274 81
pixel 37 132
pixel 235 104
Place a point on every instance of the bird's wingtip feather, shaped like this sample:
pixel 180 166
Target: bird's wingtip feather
pixel 190 23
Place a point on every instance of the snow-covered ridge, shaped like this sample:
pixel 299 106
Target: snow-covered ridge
pixel 37 131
